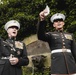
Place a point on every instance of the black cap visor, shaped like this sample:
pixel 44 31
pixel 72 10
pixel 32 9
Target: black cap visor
pixel 14 27
pixel 59 19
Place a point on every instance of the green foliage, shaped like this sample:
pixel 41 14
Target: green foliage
pixel 27 13
pixel 30 71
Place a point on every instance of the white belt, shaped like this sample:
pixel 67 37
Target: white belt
pixel 5 58
pixel 60 50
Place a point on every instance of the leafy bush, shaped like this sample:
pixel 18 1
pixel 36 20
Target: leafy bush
pixel 31 71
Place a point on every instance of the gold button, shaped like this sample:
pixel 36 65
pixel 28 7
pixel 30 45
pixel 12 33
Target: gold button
pixel 11 49
pixel 63 43
pixel 4 45
pixel 63 40
pixel 63 47
pixel 62 37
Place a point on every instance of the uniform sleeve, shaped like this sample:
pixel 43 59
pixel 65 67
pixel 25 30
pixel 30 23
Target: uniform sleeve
pixel 73 48
pixel 0 46
pixel 23 61
pixel 41 34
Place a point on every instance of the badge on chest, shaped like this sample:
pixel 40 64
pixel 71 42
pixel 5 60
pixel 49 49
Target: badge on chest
pixel 18 45
pixel 68 36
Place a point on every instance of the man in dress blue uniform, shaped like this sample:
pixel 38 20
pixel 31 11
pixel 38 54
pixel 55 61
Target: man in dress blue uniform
pixel 62 44
pixel 13 54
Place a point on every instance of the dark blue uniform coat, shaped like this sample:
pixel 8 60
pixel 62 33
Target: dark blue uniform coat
pixel 17 49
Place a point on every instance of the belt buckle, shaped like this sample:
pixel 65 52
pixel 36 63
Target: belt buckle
pixel 64 50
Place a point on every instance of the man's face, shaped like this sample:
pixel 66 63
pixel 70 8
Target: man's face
pixel 58 24
pixel 12 31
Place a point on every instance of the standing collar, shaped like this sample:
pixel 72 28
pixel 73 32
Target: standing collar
pixel 11 40
pixel 59 30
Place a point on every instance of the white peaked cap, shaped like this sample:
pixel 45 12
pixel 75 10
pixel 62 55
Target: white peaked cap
pixel 12 23
pixel 57 16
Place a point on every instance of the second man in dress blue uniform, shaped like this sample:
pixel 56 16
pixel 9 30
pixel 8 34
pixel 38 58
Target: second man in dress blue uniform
pixel 62 44
pixel 13 54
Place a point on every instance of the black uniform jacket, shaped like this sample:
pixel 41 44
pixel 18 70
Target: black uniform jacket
pixel 62 62
pixel 17 49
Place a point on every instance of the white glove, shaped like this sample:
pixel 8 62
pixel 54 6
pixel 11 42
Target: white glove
pixel 46 10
